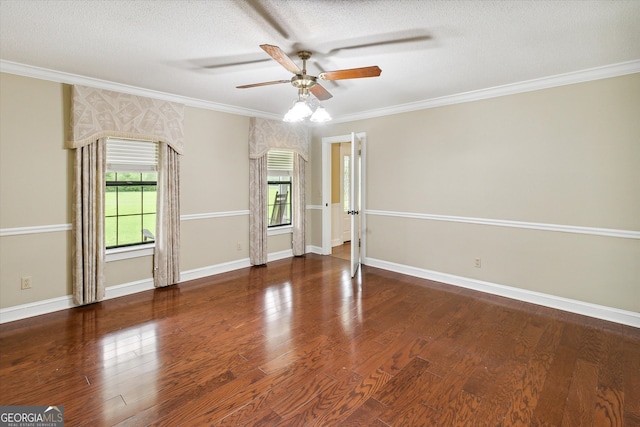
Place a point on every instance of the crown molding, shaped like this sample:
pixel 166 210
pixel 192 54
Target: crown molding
pixel 75 79
pixel 597 73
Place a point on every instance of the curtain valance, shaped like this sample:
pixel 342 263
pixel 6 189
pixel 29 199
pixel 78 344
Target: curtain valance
pixel 98 113
pixel 265 134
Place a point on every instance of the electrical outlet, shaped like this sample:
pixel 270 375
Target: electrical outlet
pixel 478 263
pixel 25 283
pixel 239 246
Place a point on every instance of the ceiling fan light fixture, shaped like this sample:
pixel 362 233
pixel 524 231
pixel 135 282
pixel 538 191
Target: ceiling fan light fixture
pixel 320 115
pixel 298 112
pixel 306 108
pixel 307 84
pixel 290 118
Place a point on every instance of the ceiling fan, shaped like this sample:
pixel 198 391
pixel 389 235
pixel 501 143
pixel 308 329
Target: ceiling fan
pixel 307 83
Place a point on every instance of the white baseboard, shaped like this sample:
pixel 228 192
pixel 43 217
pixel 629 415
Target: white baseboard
pixel 574 306
pixel 38 308
pixel 314 249
pixel 128 288
pixel 611 314
pixel 214 269
pixel 274 256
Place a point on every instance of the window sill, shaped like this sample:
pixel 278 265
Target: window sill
pixel 118 254
pixel 285 229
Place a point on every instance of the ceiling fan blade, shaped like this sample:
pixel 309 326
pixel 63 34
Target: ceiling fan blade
pixel 275 82
pixel 276 53
pixel 352 73
pixel 319 92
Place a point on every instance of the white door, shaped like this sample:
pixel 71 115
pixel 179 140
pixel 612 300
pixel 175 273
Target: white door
pixel 354 203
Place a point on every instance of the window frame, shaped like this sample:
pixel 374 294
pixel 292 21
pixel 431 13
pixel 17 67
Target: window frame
pixel 139 249
pixel 277 168
pixel 288 203
pixel 140 183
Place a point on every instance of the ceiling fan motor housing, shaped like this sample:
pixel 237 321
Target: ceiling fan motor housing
pixel 303 81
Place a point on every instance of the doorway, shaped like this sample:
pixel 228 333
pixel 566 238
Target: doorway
pixel 332 212
pixel 340 194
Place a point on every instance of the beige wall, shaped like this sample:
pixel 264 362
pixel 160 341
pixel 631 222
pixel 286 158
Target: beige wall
pixel 34 164
pixel 568 156
pixel 35 184
pixel 214 178
pixel 335 173
pixel 34 188
pixel 214 171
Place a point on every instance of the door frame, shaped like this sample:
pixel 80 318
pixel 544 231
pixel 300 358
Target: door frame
pixel 326 191
pixel 345 218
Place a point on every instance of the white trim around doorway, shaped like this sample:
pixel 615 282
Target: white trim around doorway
pixel 326 191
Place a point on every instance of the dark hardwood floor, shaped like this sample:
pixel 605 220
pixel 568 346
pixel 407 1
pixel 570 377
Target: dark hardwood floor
pixel 342 251
pixel 299 343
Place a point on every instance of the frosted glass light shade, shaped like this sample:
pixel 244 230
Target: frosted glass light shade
pixel 320 115
pixel 298 112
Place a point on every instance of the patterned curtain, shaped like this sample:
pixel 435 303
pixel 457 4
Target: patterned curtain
pixel 97 114
pixel 167 248
pixel 257 210
pixel 88 224
pixel 264 135
pixel 299 206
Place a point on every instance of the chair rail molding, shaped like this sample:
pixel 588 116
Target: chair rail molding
pixel 594 231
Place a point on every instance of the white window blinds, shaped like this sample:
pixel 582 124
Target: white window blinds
pixel 280 163
pixel 126 155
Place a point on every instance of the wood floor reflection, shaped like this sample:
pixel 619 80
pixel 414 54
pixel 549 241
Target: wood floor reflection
pixel 342 251
pixel 298 342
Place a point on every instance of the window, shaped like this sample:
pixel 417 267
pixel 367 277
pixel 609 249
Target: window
pixel 130 193
pixel 279 177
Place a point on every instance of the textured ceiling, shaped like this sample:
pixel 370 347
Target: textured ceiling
pixel 426 49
